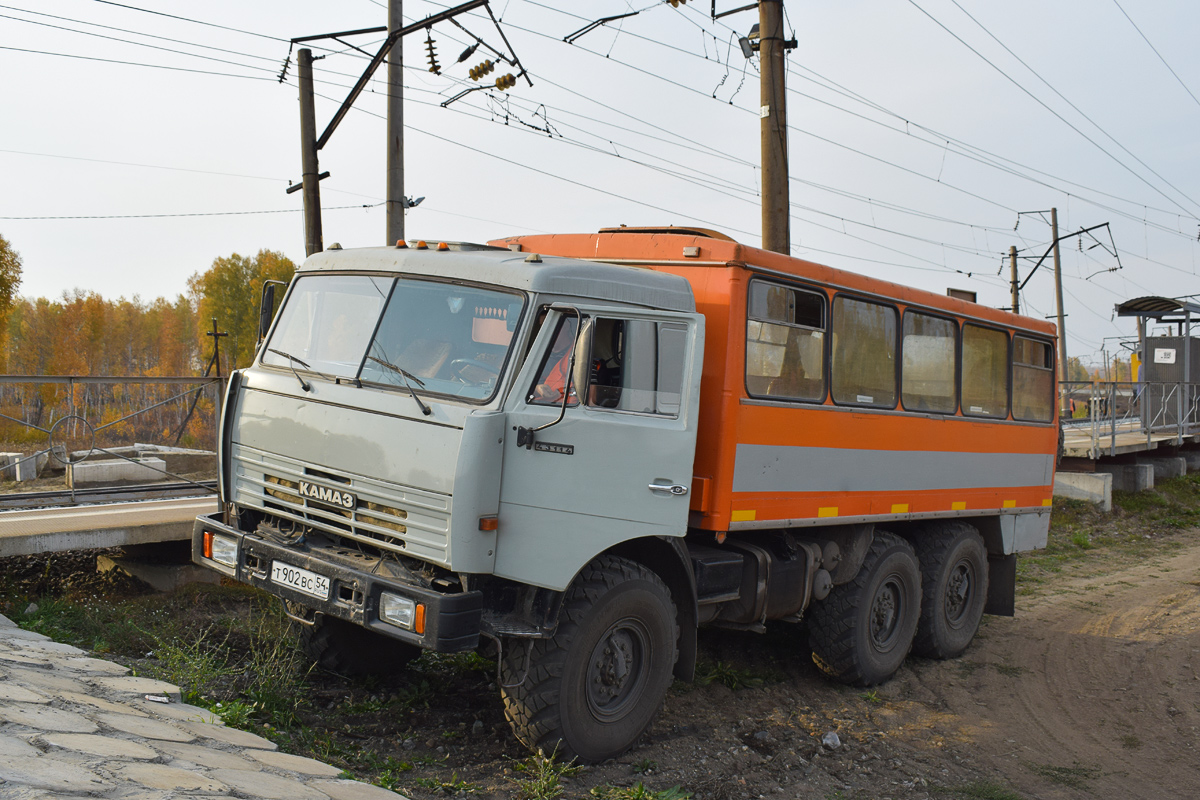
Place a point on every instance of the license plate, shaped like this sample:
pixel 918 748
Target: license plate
pixel 300 579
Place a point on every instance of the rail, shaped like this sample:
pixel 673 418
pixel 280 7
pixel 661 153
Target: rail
pixel 1112 416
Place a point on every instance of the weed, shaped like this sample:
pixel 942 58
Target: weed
pixel 455 785
pixel 1082 540
pixel 638 792
pixel 545 774
pixel 1074 777
pixel 1130 741
pixel 645 765
pixel 389 776
pixel 979 790
pixel 727 675
pixel 234 713
pixel 1009 670
pixel 872 697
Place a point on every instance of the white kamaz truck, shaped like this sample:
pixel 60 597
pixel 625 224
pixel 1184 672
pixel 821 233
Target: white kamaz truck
pixel 457 446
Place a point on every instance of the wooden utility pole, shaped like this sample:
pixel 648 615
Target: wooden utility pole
pixel 308 155
pixel 395 128
pixel 1062 327
pixel 776 230
pixel 1012 269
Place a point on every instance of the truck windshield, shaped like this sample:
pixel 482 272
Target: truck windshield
pixel 435 337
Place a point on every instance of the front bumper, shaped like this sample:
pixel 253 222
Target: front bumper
pixel 452 621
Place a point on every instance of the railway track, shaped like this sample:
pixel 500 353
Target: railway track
pixel 109 494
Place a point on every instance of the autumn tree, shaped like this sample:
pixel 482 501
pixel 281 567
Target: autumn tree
pixel 229 291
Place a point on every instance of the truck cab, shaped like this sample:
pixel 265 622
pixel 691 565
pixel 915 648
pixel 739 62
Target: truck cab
pixel 434 443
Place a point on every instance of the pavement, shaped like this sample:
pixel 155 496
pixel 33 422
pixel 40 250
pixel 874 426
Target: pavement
pixel 74 726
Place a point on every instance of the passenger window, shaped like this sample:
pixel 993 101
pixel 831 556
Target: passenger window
pixel 785 343
pixel 864 353
pixel 928 364
pixel 637 365
pixel 984 372
pixel 1033 380
pixel 555 371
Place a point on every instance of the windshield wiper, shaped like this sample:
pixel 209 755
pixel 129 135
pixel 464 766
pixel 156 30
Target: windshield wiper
pixel 303 385
pixel 405 376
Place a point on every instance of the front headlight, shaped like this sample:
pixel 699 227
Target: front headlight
pixel 399 611
pixel 221 549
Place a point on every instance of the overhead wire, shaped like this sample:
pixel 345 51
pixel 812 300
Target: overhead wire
pixel 1058 116
pixel 1155 49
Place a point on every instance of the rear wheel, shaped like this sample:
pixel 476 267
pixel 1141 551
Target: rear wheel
pixel 347 649
pixel 862 632
pixel 955 569
pixel 595 687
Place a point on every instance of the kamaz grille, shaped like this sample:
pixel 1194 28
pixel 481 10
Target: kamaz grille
pixel 386 516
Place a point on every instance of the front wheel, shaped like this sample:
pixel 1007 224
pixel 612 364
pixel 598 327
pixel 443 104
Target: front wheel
pixel 861 633
pixel 595 687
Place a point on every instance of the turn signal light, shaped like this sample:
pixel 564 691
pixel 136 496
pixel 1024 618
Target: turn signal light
pixel 443 246
pixel 421 245
pixel 489 523
pixel 419 622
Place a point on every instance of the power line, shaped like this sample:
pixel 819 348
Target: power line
pixel 194 214
pixel 138 64
pixel 1060 117
pixel 193 21
pixel 1155 49
pixel 1072 105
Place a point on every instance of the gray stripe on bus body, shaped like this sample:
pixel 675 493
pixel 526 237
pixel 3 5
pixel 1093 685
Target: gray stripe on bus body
pixel 782 468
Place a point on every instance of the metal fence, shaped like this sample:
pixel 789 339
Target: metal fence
pixel 1109 414
pixel 49 423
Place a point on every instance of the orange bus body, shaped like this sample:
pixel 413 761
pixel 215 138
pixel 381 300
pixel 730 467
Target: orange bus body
pixel 764 464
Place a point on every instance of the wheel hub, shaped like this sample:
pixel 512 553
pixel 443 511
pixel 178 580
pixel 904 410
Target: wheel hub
pixel 616 670
pixel 958 591
pixel 885 615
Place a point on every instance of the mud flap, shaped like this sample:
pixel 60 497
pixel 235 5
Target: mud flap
pixel 1002 585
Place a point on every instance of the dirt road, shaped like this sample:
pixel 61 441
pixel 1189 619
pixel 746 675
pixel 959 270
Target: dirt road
pixel 1091 691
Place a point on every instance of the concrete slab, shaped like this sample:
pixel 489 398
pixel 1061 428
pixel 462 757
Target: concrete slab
pixel 100 526
pixel 1090 487
pixel 1129 477
pixel 1166 467
pixel 117 471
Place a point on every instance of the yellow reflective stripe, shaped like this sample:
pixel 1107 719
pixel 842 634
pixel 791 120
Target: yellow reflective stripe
pixel 899 508
pixel 742 516
pixel 828 511
pixel 959 506
pixel 1010 504
pixel 1048 501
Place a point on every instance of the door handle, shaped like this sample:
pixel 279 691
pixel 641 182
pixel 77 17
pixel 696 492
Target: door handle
pixel 669 488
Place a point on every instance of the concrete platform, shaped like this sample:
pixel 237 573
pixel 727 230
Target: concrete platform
pixel 76 726
pixel 99 526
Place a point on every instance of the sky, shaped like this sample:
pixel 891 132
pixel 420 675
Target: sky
pixel 142 140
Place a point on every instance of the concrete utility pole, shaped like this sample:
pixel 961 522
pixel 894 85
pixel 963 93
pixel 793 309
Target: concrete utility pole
pixel 1012 269
pixel 1062 327
pixel 776 219
pixel 395 128
pixel 308 155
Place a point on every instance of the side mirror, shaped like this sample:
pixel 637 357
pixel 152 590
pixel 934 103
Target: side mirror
pixel 266 309
pixel 581 369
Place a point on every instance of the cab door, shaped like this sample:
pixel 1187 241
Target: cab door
pixel 618 464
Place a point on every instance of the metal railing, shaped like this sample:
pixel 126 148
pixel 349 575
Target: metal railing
pixel 1102 411
pixel 58 421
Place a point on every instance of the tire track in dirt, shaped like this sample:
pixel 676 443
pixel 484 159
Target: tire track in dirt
pixel 1093 690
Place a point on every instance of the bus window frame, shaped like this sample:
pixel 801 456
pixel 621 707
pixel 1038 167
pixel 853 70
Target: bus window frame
pixel 778 279
pixel 958 326
pixel 877 301
pixel 1009 333
pixel 1012 381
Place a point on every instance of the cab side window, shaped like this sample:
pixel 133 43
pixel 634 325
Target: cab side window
pixel 637 365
